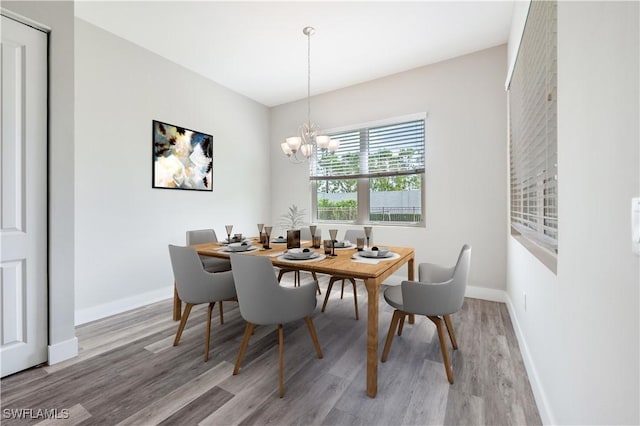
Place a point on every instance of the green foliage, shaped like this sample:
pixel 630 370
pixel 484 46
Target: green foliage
pixel 378 162
pixel 324 202
pixel 343 210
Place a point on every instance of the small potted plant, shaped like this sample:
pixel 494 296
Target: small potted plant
pixel 293 218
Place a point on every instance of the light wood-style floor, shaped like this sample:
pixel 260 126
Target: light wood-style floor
pixel 128 372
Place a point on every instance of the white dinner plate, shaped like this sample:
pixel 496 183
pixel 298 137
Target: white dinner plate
pixel 231 250
pixel 349 246
pixel 374 255
pixel 314 256
pixel 300 254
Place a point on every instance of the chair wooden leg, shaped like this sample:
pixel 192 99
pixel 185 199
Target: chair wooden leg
pixel 412 319
pixel 392 330
pixel 280 360
pixel 326 296
pixel 248 331
pixel 443 347
pixel 314 336
pixel 452 334
pixel 355 296
pixel 401 325
pixel 280 274
pixel 207 338
pixel 221 313
pixel 183 322
pixel 342 290
pixel 177 304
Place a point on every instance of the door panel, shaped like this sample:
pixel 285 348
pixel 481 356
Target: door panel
pixel 23 188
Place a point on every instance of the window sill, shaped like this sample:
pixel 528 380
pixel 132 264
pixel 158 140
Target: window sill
pixel 547 258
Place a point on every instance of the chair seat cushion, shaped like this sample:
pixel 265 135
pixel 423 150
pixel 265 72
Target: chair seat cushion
pixel 212 264
pixel 393 296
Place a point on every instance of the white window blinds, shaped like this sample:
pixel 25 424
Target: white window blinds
pixel 389 150
pixel 533 129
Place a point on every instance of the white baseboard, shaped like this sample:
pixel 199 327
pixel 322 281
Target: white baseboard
pixel 484 293
pixel 93 313
pixel 536 386
pixel 62 351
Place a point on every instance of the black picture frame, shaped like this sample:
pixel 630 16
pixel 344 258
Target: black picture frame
pixel 182 158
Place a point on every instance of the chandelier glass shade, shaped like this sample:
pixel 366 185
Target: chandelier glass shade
pixel 302 147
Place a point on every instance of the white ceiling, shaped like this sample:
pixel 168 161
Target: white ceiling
pixel 258 48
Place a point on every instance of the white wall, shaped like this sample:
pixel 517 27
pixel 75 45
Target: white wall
pixel 58 16
pixel 580 332
pixel 123 226
pixel 466 174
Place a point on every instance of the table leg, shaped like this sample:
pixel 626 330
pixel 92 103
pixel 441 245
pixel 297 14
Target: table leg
pixel 411 277
pixel 411 273
pixel 177 304
pixel 372 337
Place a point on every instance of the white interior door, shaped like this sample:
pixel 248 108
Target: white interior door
pixel 23 217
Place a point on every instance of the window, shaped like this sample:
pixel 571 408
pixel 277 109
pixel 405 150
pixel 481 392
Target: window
pixel 376 176
pixel 533 131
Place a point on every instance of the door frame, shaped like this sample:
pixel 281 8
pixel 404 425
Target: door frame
pixel 47 31
pixel 58 19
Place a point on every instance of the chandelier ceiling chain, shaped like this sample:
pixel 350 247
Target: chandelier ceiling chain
pixel 309 31
pixel 305 146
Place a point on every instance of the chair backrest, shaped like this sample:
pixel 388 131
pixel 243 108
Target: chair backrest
pixel 439 298
pixel 193 283
pixel 256 286
pixel 201 236
pixel 261 299
pixel 353 234
pixel 305 233
pixel 461 276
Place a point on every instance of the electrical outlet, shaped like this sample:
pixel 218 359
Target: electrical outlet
pixel 524 296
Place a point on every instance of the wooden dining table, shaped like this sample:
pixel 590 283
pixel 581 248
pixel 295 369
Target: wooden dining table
pixel 343 264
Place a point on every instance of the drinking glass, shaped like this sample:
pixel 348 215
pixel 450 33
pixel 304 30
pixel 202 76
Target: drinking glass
pixel 293 238
pixel 312 229
pixel 267 232
pixel 360 243
pixel 316 240
pixel 367 233
pixel 260 228
pixel 328 245
pixel 229 228
pixel 333 233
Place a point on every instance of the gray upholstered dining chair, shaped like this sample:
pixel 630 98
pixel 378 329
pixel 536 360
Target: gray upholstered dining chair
pixel 211 264
pixel 352 235
pixel 438 294
pixel 195 286
pixel 305 235
pixel 264 302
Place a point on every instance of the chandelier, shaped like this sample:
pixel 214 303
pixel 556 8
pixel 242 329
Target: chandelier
pixel 301 148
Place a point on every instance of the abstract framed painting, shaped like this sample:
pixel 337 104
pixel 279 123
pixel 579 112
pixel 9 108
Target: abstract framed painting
pixel 182 158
